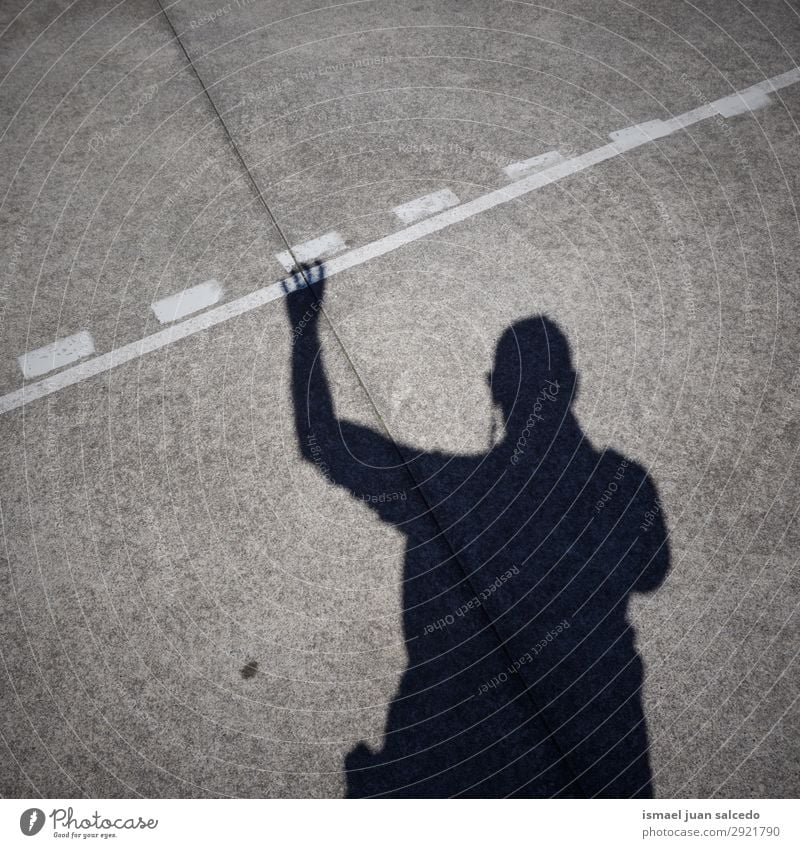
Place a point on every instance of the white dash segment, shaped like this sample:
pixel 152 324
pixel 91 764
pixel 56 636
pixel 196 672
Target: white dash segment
pixel 642 133
pixel 61 352
pixel 651 130
pixel 789 77
pixel 747 100
pixel 318 248
pixel 529 166
pixel 737 104
pixel 187 301
pixel 423 207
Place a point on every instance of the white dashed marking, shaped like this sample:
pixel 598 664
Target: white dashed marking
pixel 318 248
pixel 529 166
pixel 748 101
pixel 423 207
pixel 62 352
pixel 187 301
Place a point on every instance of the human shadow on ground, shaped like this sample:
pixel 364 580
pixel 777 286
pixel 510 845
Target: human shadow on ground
pixel 523 678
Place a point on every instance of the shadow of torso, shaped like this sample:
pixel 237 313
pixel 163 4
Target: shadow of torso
pixel 537 554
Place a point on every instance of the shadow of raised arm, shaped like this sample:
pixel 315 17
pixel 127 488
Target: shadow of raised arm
pixel 358 458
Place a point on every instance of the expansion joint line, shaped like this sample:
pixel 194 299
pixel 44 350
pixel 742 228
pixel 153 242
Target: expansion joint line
pixel 231 141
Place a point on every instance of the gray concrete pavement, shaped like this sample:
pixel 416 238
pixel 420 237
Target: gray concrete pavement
pixel 162 529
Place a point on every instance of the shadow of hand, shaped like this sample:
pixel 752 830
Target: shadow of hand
pixel 300 298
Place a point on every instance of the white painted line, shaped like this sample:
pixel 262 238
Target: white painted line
pixel 128 352
pixel 423 207
pixel 187 301
pixel 747 101
pixel 318 248
pixel 61 352
pixel 358 256
pixel 651 130
pixel 536 163
pixel 775 83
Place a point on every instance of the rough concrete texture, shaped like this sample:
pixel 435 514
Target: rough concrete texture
pixel 214 583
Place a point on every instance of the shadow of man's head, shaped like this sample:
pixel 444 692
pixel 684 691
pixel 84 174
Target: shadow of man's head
pixel 533 356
